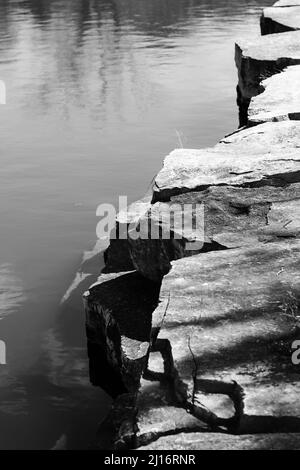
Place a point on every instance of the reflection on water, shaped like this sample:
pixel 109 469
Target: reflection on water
pixel 98 91
pixel 11 291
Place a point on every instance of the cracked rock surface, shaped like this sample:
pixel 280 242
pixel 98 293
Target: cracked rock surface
pixel 228 308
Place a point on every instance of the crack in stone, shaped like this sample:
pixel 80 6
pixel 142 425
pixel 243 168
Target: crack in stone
pixel 170 376
pixel 277 180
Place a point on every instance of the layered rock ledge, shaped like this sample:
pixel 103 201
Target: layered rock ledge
pixel 280 99
pixel 260 58
pixel 190 326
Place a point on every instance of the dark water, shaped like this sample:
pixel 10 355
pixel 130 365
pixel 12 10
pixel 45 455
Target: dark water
pixel 98 91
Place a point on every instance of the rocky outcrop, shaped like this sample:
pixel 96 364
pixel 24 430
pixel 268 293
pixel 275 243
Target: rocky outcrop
pixel 231 211
pixel 260 58
pixel 194 315
pixel 280 99
pixel 196 170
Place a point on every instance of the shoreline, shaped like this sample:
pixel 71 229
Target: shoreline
pixel 176 326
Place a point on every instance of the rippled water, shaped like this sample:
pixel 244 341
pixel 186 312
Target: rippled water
pixel 98 91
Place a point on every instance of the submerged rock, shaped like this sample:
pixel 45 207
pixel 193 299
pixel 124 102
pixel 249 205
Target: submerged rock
pixel 280 99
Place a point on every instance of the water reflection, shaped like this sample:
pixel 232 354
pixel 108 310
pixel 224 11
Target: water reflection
pixel 94 54
pixel 98 91
pixel 11 291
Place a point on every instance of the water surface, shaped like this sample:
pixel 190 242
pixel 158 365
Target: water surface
pixel 98 91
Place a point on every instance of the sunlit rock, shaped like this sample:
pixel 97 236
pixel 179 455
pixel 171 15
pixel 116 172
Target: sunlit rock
pixel 225 316
pixel 280 100
pixel 234 164
pixel 279 20
pixel 221 441
pixel 259 58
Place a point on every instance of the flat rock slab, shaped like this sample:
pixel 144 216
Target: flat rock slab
pixel 261 57
pixel 278 20
pixel 272 48
pixel 270 137
pixel 118 321
pixel 234 163
pixel 221 217
pixel 280 99
pixel 218 441
pixel 158 415
pixel 225 316
pixel 287 3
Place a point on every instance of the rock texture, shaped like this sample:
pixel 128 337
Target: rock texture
pixel 237 165
pixel 222 314
pixel 214 441
pixel 118 323
pixel 280 99
pixel 220 356
pixel 224 216
pixel 190 325
pixel 229 217
pixel 278 20
pixel 260 58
